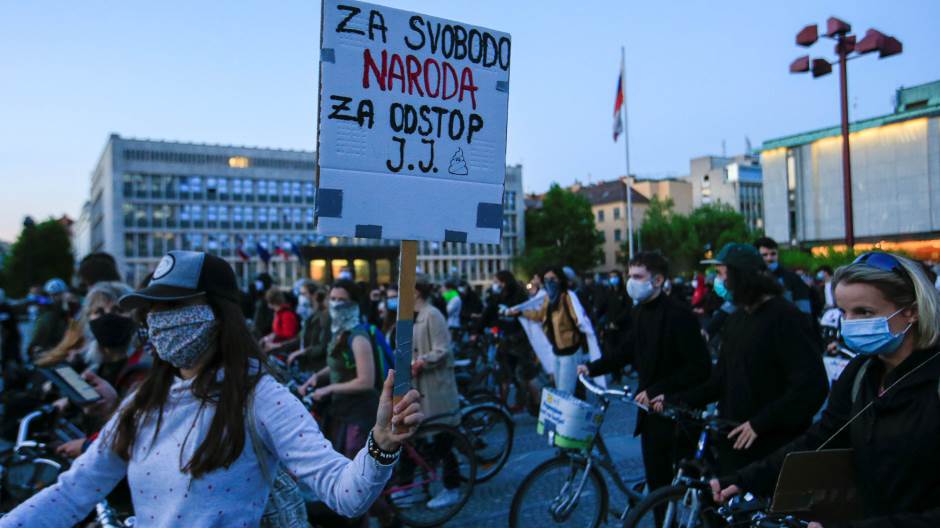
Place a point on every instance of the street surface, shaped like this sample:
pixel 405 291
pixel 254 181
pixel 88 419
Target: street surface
pixel 491 501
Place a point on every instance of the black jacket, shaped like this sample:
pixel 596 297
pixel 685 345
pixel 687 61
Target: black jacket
pixel 666 348
pixel 895 442
pixel 769 372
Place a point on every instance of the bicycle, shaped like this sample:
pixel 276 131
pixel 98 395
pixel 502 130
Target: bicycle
pixel 439 457
pixel 491 430
pixel 477 371
pixel 31 465
pixel 570 484
pixel 687 502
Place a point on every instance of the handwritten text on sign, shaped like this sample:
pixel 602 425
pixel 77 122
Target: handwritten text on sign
pixel 421 101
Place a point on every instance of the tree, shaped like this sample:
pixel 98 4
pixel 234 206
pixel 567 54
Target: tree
pixel 561 232
pixel 41 252
pixel 717 225
pixel 684 239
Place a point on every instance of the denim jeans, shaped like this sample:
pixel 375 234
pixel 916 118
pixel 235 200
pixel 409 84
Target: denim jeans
pixel 566 372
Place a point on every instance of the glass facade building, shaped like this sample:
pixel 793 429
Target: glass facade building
pixel 149 197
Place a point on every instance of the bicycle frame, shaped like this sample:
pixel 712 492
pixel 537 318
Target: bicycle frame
pixel 412 453
pixel 602 457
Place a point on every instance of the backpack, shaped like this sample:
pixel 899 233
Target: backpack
pixel 285 507
pixel 382 353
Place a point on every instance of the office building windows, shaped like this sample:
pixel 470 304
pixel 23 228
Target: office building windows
pixel 224 217
pixel 195 212
pixel 143 245
pixel 141 216
pixel 310 192
pixel 212 189
pixel 212 216
pixel 223 186
pixel 308 218
pixel 194 241
pixel 600 215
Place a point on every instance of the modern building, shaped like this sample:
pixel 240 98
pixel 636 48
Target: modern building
pixel 679 190
pixel 81 233
pixel 735 181
pixel 149 197
pixel 609 204
pixel 477 263
pixel 895 180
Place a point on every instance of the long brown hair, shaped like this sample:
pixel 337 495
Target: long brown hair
pixel 232 353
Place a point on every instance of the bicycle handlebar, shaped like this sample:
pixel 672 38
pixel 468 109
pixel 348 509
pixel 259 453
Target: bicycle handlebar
pixel 624 394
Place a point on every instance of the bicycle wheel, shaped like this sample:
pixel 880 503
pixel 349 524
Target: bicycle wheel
pixel 673 507
pixel 432 468
pixel 491 432
pixel 560 492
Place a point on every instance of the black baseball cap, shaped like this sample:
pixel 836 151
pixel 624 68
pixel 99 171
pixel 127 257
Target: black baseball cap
pixel 741 256
pixel 183 275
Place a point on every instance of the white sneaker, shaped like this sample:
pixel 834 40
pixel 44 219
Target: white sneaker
pixel 445 498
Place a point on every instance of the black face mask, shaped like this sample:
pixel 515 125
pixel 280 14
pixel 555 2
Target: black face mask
pixel 112 330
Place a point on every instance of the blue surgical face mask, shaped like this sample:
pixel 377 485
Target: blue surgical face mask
pixel 871 337
pixel 773 266
pixel 615 281
pixel 640 291
pixel 721 290
pixel 392 303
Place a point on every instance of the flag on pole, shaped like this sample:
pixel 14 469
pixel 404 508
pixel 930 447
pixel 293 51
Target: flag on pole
pixel 295 249
pixel 240 250
pixel 279 250
pixel 263 252
pixel 618 103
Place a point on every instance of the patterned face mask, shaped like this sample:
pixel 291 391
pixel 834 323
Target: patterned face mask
pixel 182 336
pixel 344 316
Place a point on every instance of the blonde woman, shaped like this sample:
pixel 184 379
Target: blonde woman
pixel 886 404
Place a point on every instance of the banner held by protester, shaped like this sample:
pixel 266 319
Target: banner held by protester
pixel 412 135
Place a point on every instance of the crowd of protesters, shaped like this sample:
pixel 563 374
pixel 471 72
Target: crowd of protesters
pixel 745 333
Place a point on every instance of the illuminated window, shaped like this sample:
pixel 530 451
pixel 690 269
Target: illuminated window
pixel 383 271
pixel 238 162
pixel 336 266
pixel 361 268
pixel 318 270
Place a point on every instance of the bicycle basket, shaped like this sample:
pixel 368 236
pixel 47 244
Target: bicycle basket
pixel 569 422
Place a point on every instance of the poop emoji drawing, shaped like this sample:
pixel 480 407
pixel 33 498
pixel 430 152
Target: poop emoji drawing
pixel 458 165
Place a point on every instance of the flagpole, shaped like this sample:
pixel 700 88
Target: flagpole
pixel 626 143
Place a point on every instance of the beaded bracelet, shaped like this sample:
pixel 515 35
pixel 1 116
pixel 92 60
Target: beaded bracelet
pixel 383 457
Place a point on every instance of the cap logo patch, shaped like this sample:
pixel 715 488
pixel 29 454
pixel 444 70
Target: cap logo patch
pixel 164 267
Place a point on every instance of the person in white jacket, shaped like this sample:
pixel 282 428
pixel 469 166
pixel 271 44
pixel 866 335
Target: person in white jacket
pixel 184 439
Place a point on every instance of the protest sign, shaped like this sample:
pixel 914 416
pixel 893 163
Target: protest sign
pixel 411 142
pixel 412 128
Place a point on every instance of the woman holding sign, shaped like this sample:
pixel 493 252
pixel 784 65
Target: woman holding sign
pixel 201 439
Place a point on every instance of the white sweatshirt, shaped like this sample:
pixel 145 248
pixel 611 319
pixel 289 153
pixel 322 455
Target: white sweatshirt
pixel 235 496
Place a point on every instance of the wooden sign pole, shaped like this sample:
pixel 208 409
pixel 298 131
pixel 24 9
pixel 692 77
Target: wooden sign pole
pixel 408 263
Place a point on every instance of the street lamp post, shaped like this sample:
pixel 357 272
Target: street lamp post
pixel 846 49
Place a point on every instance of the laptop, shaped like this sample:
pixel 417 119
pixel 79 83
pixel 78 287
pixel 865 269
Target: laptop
pixel 818 486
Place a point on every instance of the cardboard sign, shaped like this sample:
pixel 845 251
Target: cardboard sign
pixel 412 129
